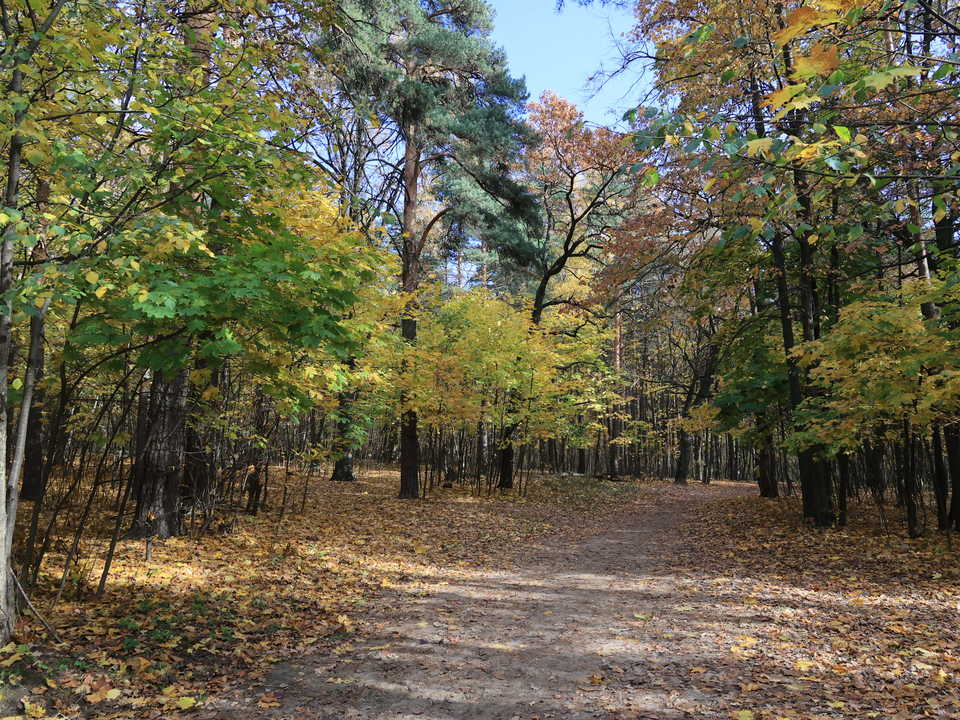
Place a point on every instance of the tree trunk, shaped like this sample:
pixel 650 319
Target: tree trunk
pixel 910 485
pixel 951 438
pixel 31 488
pixel 160 472
pixel 843 461
pixel 941 481
pixel 409 438
pixel 766 467
pixel 410 282
pixel 199 465
pixel 816 501
pixel 342 443
pixel 11 199
pixel 506 458
pixel 683 457
pixel 616 423
pixel 482 449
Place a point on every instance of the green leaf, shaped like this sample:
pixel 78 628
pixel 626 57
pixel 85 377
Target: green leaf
pixel 834 162
pixel 842 132
pixel 881 79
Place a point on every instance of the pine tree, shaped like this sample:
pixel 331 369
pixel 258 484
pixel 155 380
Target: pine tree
pixel 428 71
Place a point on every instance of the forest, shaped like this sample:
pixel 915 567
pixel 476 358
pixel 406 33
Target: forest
pixel 251 248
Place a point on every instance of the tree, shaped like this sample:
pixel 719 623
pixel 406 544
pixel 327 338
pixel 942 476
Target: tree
pixel 577 174
pixel 429 71
pixel 140 188
pixel 829 128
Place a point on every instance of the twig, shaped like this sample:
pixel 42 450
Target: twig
pixel 32 607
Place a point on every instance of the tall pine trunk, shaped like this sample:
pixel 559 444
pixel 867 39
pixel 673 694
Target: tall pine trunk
pixel 410 281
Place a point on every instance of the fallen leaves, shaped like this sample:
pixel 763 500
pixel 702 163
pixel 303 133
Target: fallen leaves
pixel 180 615
pixel 747 604
pixel 844 623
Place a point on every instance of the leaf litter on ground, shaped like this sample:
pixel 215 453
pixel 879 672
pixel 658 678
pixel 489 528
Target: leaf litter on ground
pixel 808 624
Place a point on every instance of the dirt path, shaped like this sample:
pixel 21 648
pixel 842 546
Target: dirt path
pixel 599 628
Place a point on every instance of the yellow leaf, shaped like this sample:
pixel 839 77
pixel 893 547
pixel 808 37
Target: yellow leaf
pixel 34 710
pixel 100 291
pixel 742 715
pixel 781 97
pixel 92 277
pixel 10 660
pixel 822 61
pixel 698 669
pixel 801 20
pixel 756 146
pixel 114 694
pixel 843 6
pixel 185 703
pixel 803 665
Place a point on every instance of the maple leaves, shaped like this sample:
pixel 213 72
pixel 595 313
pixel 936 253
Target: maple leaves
pixel 742 609
pixel 847 624
pixel 182 627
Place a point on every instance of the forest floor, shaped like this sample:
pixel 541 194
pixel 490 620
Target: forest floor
pixel 585 599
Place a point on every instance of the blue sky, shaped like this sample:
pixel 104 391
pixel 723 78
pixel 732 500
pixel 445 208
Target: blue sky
pixel 560 52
